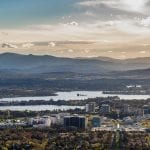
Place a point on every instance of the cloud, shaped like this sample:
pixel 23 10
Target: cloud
pixel 135 5
pixel 142 52
pixel 70 50
pixel 41 27
pixel 145 22
pixel 123 57
pixel 27 45
pixel 61 52
pixel 4 33
pixel 90 14
pixel 90 3
pixel 66 17
pixel 145 44
pixel 52 44
pixel 86 50
pixel 90 27
pixel 123 52
pixel 107 32
pixel 8 45
pixel 74 23
pixel 127 5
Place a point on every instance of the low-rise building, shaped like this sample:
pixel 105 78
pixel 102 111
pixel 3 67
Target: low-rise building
pixel 128 120
pixel 96 122
pixel 44 121
pixel 58 118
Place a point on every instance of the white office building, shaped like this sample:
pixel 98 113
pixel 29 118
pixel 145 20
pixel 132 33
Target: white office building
pixel 90 107
pixel 39 122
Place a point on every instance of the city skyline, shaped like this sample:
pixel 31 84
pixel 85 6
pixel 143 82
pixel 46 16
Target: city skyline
pixel 76 28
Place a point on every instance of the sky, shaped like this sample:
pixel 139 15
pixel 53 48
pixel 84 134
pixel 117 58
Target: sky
pixel 76 28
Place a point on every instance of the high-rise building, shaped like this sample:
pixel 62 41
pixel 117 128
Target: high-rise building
pixel 126 108
pixel 79 122
pixel 90 107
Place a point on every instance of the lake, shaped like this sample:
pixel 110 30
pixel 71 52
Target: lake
pixel 74 96
pixel 39 107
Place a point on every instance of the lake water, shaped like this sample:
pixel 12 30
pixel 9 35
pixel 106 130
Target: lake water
pixel 39 107
pixel 73 96
pixel 64 96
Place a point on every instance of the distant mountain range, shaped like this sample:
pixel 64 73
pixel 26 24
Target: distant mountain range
pixel 32 64
pixel 134 74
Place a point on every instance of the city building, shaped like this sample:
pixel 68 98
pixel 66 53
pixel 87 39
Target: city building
pixel 146 109
pixel 126 108
pixel 90 107
pixel 58 118
pixel 96 122
pixel 44 121
pixel 105 108
pixel 128 120
pixel 76 121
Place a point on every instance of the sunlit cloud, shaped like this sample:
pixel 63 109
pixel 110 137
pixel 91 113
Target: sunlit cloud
pixel 127 5
pixel 123 52
pixel 27 45
pixel 146 22
pixel 9 45
pixel 70 50
pixel 52 44
pixel 118 28
pixel 142 52
pixel 86 50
